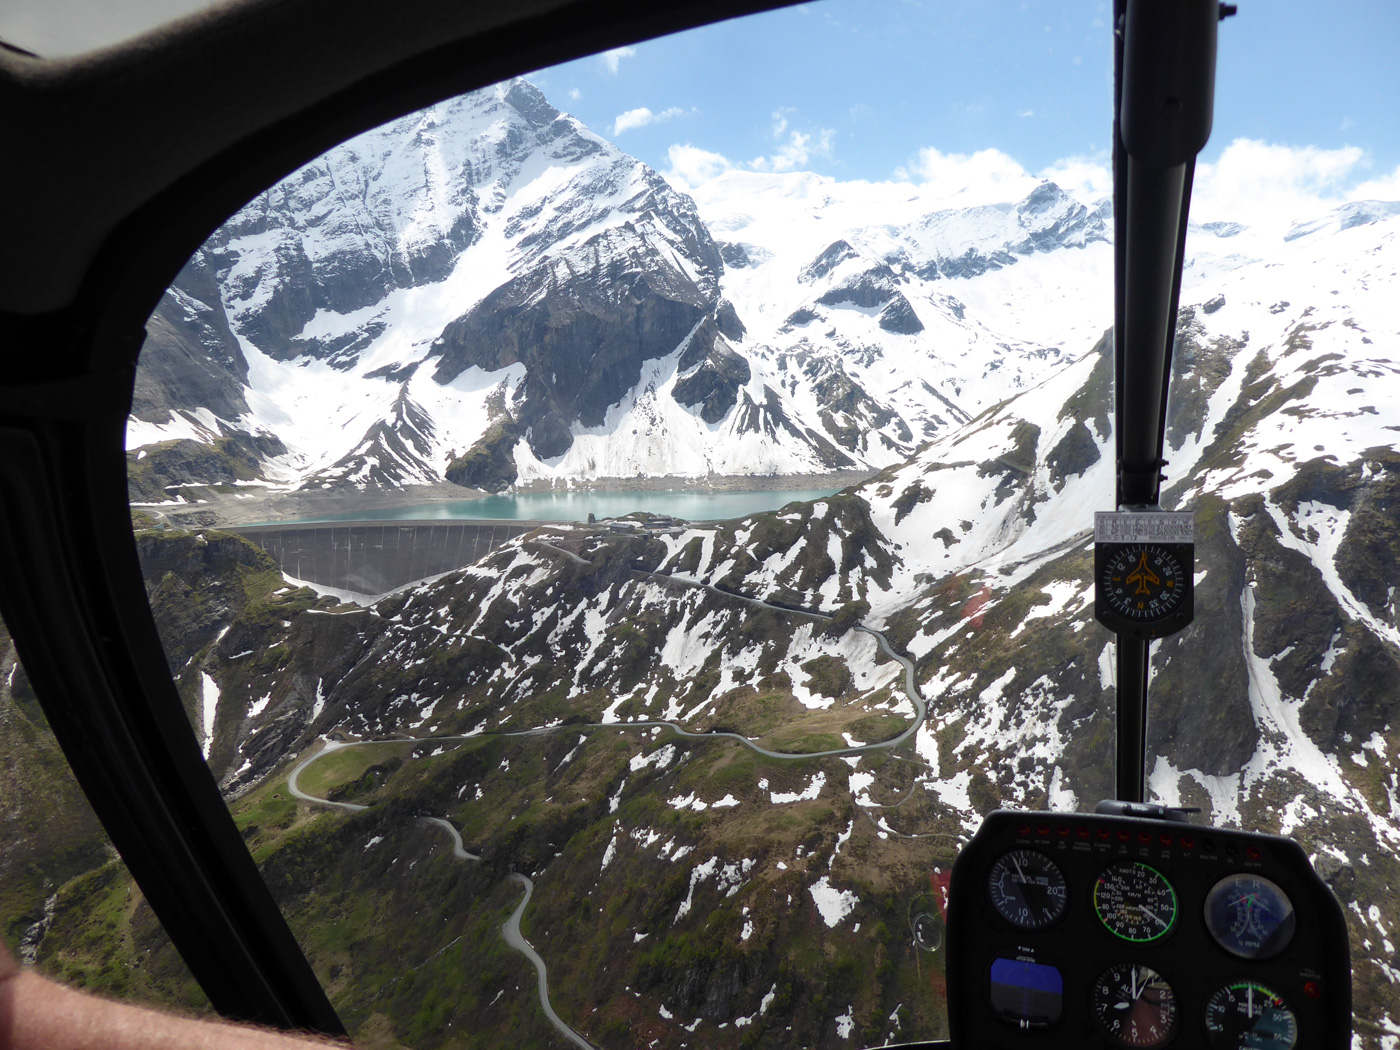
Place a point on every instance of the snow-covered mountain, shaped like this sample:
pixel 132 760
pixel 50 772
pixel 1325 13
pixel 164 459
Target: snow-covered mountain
pixel 489 293
pixel 1277 709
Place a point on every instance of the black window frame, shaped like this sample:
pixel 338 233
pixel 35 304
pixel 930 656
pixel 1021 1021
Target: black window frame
pixel 274 83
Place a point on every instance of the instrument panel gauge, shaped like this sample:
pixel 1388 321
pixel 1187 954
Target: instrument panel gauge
pixel 1143 581
pixel 1135 901
pixel 1027 889
pixel 1026 993
pixel 1250 916
pixel 1143 589
pixel 1248 1016
pixel 1135 1005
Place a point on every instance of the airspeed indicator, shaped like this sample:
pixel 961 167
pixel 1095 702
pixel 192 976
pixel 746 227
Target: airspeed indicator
pixel 1135 902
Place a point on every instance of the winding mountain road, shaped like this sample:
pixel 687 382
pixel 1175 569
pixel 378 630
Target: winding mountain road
pixel 513 936
pixel 510 931
pixel 294 777
pixel 911 685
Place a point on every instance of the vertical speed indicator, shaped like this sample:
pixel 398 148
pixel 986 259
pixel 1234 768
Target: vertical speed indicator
pixel 1027 889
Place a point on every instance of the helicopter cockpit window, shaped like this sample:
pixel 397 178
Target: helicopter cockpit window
pixel 617 532
pixel 67 902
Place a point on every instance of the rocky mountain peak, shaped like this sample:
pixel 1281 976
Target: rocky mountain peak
pixel 554 310
pixel 529 102
pixel 967 242
pixel 836 254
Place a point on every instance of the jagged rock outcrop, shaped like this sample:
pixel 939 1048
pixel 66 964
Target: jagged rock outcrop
pixel 967 243
pixel 712 375
pixel 582 334
pixel 190 359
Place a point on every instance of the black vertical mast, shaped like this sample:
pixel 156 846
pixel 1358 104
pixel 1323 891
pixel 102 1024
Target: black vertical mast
pixel 1164 95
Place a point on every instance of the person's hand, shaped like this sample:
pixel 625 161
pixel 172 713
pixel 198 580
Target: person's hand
pixel 8 966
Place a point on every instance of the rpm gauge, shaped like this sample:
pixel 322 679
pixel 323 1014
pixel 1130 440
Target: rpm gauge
pixel 1248 1016
pixel 1027 889
pixel 1135 901
pixel 1250 916
pixel 1135 1006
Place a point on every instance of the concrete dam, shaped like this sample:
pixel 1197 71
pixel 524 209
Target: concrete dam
pixel 373 557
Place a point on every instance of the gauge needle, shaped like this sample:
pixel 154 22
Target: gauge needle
pixel 1132 981
pixel 1019 871
pixel 1251 1000
pixel 1154 917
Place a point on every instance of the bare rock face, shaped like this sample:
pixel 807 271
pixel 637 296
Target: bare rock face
pixel 713 374
pixel 582 340
pixel 488 464
pixel 191 358
pixel 392 451
pixel 898 316
pixel 844 278
pixel 769 417
pixel 156 473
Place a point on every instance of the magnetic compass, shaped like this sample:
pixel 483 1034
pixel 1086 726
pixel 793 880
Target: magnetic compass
pixel 1143 567
pixel 1144 583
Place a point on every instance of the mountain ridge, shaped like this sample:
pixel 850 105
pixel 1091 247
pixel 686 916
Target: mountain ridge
pixel 457 238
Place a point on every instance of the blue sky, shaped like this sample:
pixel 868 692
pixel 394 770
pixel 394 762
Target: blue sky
pixel 862 89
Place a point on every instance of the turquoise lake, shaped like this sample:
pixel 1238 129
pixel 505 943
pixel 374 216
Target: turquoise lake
pixel 576 506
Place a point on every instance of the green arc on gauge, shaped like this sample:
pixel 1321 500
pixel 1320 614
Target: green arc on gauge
pixel 1168 902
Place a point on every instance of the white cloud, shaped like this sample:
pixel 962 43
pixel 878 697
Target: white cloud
pixel 797 151
pixel 986 176
pixel 1025 112
pixel 642 116
pixel 691 165
pixel 1087 179
pixel 1270 186
pixel 574 94
pixel 1262 185
pixel 1258 184
pixel 795 148
pixel 613 58
pixel 1384 188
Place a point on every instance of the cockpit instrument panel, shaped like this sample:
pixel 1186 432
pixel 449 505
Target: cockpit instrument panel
pixel 1099 930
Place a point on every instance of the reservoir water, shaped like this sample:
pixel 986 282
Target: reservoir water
pixel 576 506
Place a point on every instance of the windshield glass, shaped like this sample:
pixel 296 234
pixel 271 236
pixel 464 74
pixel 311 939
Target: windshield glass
pixel 617 532
pixel 67 902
